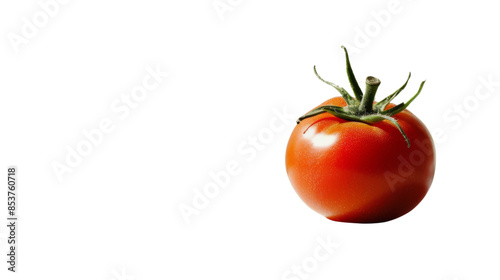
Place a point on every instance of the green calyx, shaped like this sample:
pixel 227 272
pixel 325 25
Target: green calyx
pixel 360 107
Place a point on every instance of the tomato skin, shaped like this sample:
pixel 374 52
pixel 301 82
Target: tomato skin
pixel 351 171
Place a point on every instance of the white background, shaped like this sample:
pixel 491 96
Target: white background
pixel 116 214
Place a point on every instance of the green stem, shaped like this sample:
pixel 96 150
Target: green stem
pixel 372 84
pixel 352 79
pixel 361 108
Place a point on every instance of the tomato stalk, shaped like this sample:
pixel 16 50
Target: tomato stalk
pixel 361 107
pixel 366 105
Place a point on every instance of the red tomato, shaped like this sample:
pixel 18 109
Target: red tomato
pixel 357 171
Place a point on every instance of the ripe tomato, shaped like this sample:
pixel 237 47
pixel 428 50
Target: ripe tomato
pixel 361 167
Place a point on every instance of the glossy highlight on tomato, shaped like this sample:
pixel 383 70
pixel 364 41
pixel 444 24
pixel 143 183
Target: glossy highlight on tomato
pixel 353 161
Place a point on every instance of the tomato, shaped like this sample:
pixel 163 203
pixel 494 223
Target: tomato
pixel 353 161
